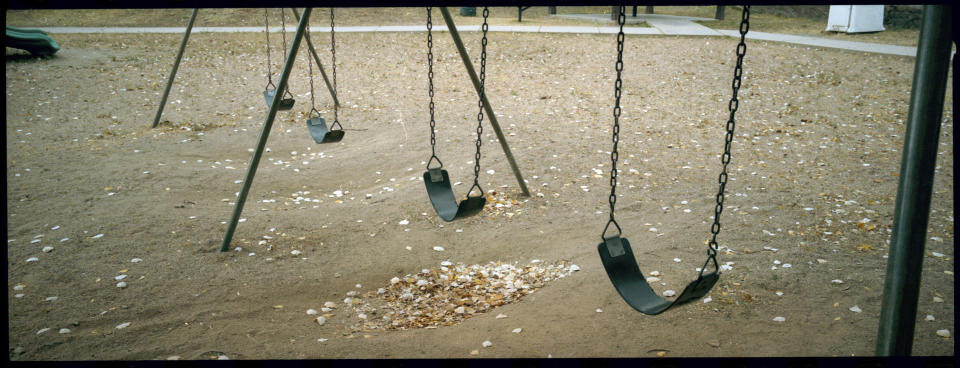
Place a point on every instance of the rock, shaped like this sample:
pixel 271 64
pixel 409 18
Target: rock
pixel 779 319
pixel 943 333
pixel 487 344
pixel 715 344
pixel 320 320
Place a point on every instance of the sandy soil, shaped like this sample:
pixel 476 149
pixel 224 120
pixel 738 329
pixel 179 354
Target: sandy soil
pixel 813 183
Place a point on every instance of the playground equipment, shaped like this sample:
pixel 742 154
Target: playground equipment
pixel 286 103
pixel 35 41
pixel 316 124
pixel 615 252
pixel 437 180
pixel 901 292
pixel 284 75
pixel 183 46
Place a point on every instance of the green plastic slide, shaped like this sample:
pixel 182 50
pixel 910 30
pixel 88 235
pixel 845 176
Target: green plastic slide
pixel 35 41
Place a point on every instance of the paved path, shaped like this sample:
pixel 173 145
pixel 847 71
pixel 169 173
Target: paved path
pixel 659 25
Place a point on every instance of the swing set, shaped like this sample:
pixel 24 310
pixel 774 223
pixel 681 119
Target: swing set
pixel 913 198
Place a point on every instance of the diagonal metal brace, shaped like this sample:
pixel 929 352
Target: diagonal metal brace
pixel 486 104
pixel 265 133
pixel 317 59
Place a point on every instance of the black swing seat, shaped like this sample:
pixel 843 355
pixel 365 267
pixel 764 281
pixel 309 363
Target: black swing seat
pixel 444 202
pixel 285 103
pixel 320 133
pixel 621 266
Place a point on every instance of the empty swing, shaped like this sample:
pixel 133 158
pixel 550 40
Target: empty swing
pixel 436 179
pixel 615 252
pixel 286 102
pixel 316 124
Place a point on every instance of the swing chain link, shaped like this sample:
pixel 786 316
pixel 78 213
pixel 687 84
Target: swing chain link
pixel 483 77
pixel 313 106
pixel 266 25
pixel 433 123
pixel 733 105
pixel 333 63
pixel 618 91
pixel 283 32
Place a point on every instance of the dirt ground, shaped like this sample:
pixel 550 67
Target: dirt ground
pixel 812 185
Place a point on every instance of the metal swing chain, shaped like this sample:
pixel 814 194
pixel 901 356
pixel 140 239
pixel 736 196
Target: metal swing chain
pixel 283 32
pixel 733 105
pixel 433 123
pixel 266 22
pixel 313 106
pixel 614 154
pixel 333 51
pixel 483 77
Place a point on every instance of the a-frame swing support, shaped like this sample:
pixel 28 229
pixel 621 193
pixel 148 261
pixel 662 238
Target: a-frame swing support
pixel 911 215
pixel 285 74
pixel 183 46
pixel 486 104
pixel 265 133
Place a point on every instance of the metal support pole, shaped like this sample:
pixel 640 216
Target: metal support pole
pixel 483 96
pixel 719 14
pixel 901 291
pixel 317 59
pixel 176 65
pixel 265 133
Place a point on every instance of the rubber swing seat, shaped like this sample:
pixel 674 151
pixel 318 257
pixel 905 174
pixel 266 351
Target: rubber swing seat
pixel 285 103
pixel 621 266
pixel 444 202
pixel 320 133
